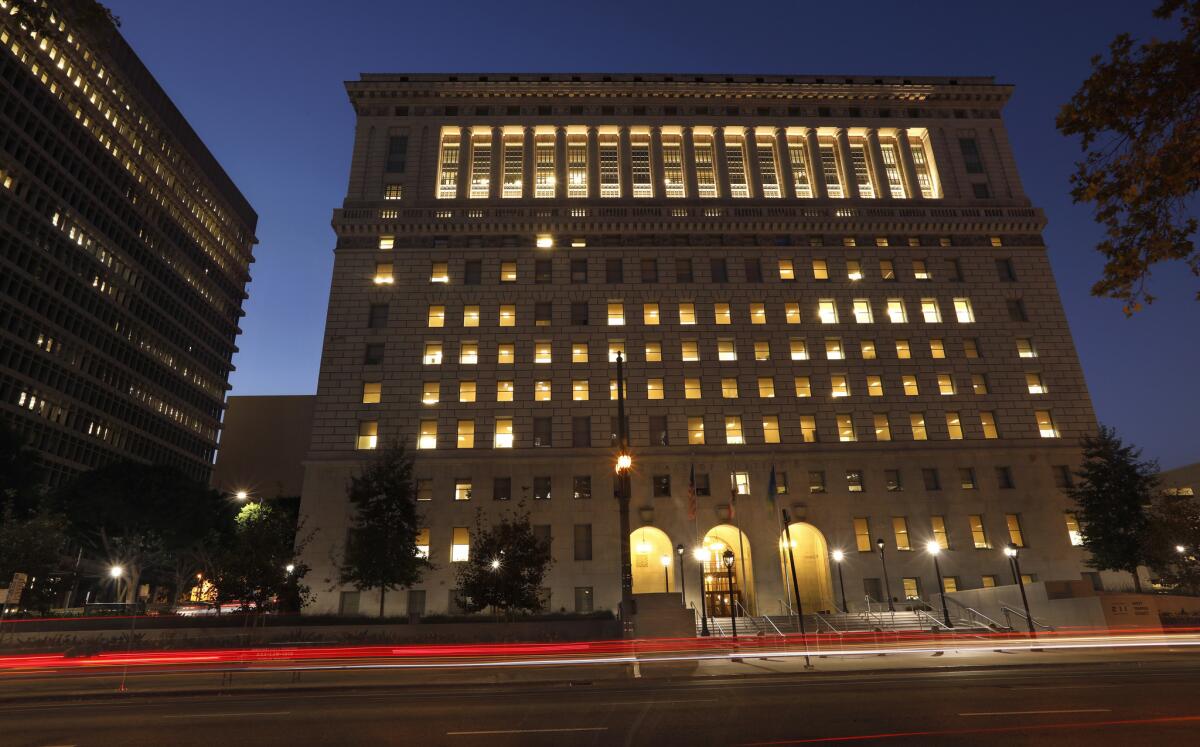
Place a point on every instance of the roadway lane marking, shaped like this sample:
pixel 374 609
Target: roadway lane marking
pixel 524 731
pixel 227 715
pixel 1036 713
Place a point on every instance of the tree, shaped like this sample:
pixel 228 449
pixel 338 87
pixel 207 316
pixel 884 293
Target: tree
pixel 1113 493
pixel 505 567
pixel 381 551
pixel 33 546
pixel 1138 118
pixel 21 473
pixel 259 568
pixel 143 517
pixel 1175 523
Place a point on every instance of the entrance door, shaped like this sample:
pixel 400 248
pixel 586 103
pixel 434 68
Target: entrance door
pixel 719 594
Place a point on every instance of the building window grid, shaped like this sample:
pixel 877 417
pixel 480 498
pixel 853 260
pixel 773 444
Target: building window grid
pixel 833 184
pixel 448 172
pixel 921 165
pixel 610 167
pixel 891 168
pixel 768 171
pixel 799 156
pixel 735 162
pixel 544 179
pixel 514 152
pixel 706 175
pixel 577 185
pixel 858 157
pixel 639 158
pixel 674 186
pixel 481 167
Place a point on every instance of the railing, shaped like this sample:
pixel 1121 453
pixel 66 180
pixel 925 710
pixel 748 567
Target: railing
pixel 974 616
pixel 873 615
pixel 930 618
pixel 1008 611
pixel 822 621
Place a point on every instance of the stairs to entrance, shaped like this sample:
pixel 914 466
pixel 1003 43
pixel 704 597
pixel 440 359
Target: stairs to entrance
pixel 841 622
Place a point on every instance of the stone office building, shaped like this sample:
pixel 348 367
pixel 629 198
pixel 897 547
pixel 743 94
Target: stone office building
pixel 838 279
pixel 124 253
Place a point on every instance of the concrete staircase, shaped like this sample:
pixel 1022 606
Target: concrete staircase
pixel 841 622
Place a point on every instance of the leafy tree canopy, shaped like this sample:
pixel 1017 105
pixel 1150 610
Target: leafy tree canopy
pixel 1174 542
pixel 506 566
pixel 253 568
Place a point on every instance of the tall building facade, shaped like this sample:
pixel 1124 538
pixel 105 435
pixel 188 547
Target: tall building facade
pixel 834 289
pixel 126 252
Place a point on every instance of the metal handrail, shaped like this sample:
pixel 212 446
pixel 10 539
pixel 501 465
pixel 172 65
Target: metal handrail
pixel 873 615
pixel 1010 611
pixel 974 615
pixel 932 619
pixel 822 621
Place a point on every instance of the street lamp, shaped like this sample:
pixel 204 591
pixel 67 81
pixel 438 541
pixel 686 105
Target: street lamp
pixel 624 466
pixel 886 583
pixel 290 568
pixel 727 557
pixel 241 495
pixel 1015 561
pixel 934 549
pixel 838 557
pixel 701 556
pixel 682 577
pixel 495 564
pixel 666 564
pixel 1180 549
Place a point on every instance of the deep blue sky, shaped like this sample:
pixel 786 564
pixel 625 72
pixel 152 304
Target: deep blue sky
pixel 261 81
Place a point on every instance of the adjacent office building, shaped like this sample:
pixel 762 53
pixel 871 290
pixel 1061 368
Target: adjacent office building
pixel 831 296
pixel 125 252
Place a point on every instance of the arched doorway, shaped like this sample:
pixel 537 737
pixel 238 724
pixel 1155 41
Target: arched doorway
pixel 647 548
pixel 811 554
pixel 718 596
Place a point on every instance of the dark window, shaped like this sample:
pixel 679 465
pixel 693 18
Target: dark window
pixel 854 480
pixel 966 478
pixel 541 488
pixel 662 486
pixel 981 190
pixel 931 478
pixel 1005 271
pixel 583 541
pixel 513 111
pixel 583 487
pixel 1004 478
pixel 579 313
pixel 649 270
pixel 816 481
pixel 719 270
pixel 451 111
pixel 1062 477
pixel 579 271
pixel 613 272
pixel 373 355
pixel 753 270
pixel 892 478
pixel 502 489
pixel 1016 310
pixel 543 430
pixel 541 532
pixel 612 440
pixel 397 156
pixel 873 588
pixel 702 487
pixel 683 270
pixel 543 312
pixel 416 602
pixel 584 599
pixel 377 316
pixel 970 153
pixel 658 431
pixel 955 273
pixel 543 271
pixel 474 270
pixel 581 431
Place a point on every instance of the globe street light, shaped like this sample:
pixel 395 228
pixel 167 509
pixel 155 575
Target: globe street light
pixel 727 557
pixel 886 583
pixel 1015 561
pixel 624 465
pixel 666 564
pixel 682 577
pixel 838 557
pixel 934 549
pixel 241 495
pixel 701 556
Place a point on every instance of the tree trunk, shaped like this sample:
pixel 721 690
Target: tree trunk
pixel 1137 582
pixel 382 596
pixel 135 576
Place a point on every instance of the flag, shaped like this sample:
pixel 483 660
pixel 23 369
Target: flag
pixel 732 496
pixel 772 489
pixel 692 494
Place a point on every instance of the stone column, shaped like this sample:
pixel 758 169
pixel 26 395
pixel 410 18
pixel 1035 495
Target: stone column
pixel 560 162
pixel 658 178
pixel 816 174
pixel 908 167
pixel 464 162
pixel 593 163
pixel 497 177
pixel 883 190
pixel 625 159
pixel 849 179
pixel 753 175
pixel 719 164
pixel 528 178
pixel 786 179
pixel 689 164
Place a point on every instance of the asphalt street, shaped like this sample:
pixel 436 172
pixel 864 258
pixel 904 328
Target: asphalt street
pixel 1128 703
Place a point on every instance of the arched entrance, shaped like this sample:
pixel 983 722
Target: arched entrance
pixel 718 596
pixel 811 554
pixel 647 548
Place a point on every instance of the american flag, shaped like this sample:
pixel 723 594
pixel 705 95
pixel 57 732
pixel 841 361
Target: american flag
pixel 692 494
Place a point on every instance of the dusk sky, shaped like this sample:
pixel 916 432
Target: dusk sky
pixel 261 82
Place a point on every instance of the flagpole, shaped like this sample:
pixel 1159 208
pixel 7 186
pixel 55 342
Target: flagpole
pixel 737 524
pixel 774 493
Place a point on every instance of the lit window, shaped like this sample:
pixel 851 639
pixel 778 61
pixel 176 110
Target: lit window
pixel 979 384
pixel 1025 348
pixel 938 525
pixel 616 313
pixel 672 154
pixel 372 392
pixel 1013 522
pixel 936 349
pixel 639 157
pixel 735 167
pixel 383 273
pixel 923 166
pixel 653 352
pixel 827 311
pixel 930 311
pixel 508 315
pixel 786 271
pixel 945 384
pixel 437 316
pixel 430 393
pixel 387 242
pixel 687 313
pixel 468 354
pixel 423 543
pixel 427 438
pixel 506 353
pixel 541 390
pixel 579 390
pixel 900 528
pixel 610 168
pixel 988 421
pixel 448 167
pixel 504 391
pixel 579 352
pixel 845 424
pixel 577 165
pixel 1046 426
pixel 808 429
pixel 954 426
pixel 919 271
pixel 470 316
pixel 612 389
pixel 910 385
pixel 770 429
pixel 440 273
pixel 970 348
pixel 691 388
pixel 829 166
pixel 695 430
pixel 862 176
pixel 803 386
pixel 868 349
pixel 978 533
pixel 891 168
pixel 862 311
pixel 433 354
pixel 839 386
pixel 768 172
pixel 543 168
pixel 729 388
pixel 766 387
pixel 541 352
pixel 1033 382
pixel 903 352
pixel 883 428
pixel 887 270
pixel 513 149
pixel 1073 532
pixel 481 165
pixel 799 349
pixel 895 311
pixel 466 434
pixel 791 313
pixel 466 391
pixel 460 547
pixel 368 435
pixel 758 313
pixel 874 386
pixel 917 421
pixel 726 350
pixel 650 313
pixel 721 313
pixel 963 311
pixel 690 351
pixel 733 430
pixel 853 269
pixel 654 388
pixel 762 350
pixel 820 269
pixel 508 272
pixel 862 536
pixel 833 349
pixel 504 434
pixel 703 155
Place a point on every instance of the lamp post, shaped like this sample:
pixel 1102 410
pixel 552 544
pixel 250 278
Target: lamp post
pixel 701 556
pixel 624 465
pixel 934 549
pixel 838 557
pixel 682 577
pixel 116 572
pixel 887 585
pixel 666 564
pixel 1015 560
pixel 727 557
